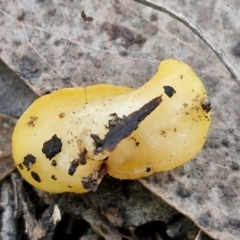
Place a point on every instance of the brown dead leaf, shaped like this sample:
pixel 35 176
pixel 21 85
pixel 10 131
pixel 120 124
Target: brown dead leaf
pixel 123 44
pixel 6 127
pixel 6 162
pixel 7 166
pixel 217 20
pixel 15 96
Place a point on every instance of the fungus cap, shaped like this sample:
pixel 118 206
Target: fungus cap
pixel 67 140
pixel 45 118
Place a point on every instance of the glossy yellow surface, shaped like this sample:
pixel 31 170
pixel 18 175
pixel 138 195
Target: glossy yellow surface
pixel 168 137
pixel 46 117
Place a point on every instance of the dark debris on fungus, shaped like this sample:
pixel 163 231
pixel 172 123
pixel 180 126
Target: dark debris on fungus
pixel 73 167
pixel 35 176
pixel 52 147
pixel 28 161
pixel 169 91
pixel 206 105
pixel 90 183
pixel 125 127
pixel 82 157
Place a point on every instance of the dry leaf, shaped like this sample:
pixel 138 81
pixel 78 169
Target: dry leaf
pixel 7 166
pixel 6 161
pixel 15 96
pixel 6 127
pixel 60 44
pixel 217 20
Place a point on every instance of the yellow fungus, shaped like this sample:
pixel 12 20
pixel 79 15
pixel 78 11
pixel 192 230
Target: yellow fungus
pixel 67 140
pixel 47 116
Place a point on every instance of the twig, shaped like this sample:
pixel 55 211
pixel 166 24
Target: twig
pixel 197 31
pixel 89 203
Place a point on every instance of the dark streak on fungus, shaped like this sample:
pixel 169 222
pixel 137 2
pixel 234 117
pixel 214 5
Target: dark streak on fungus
pixel 21 166
pixel 53 177
pixel 85 17
pixel 90 183
pixel 61 115
pixel 206 105
pixel 148 169
pixel 54 163
pixel 28 161
pixel 82 157
pixel 185 105
pixel 169 91
pixel 124 128
pixel 52 147
pixel 103 170
pixel 32 121
pixel 73 167
pixel 35 176
pixel 135 140
pixel 97 141
pixel 114 121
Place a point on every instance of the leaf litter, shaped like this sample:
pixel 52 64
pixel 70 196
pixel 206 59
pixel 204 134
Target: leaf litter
pixel 123 44
pixel 6 162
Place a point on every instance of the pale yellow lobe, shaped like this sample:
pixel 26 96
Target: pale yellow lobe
pixel 169 136
pixel 46 117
